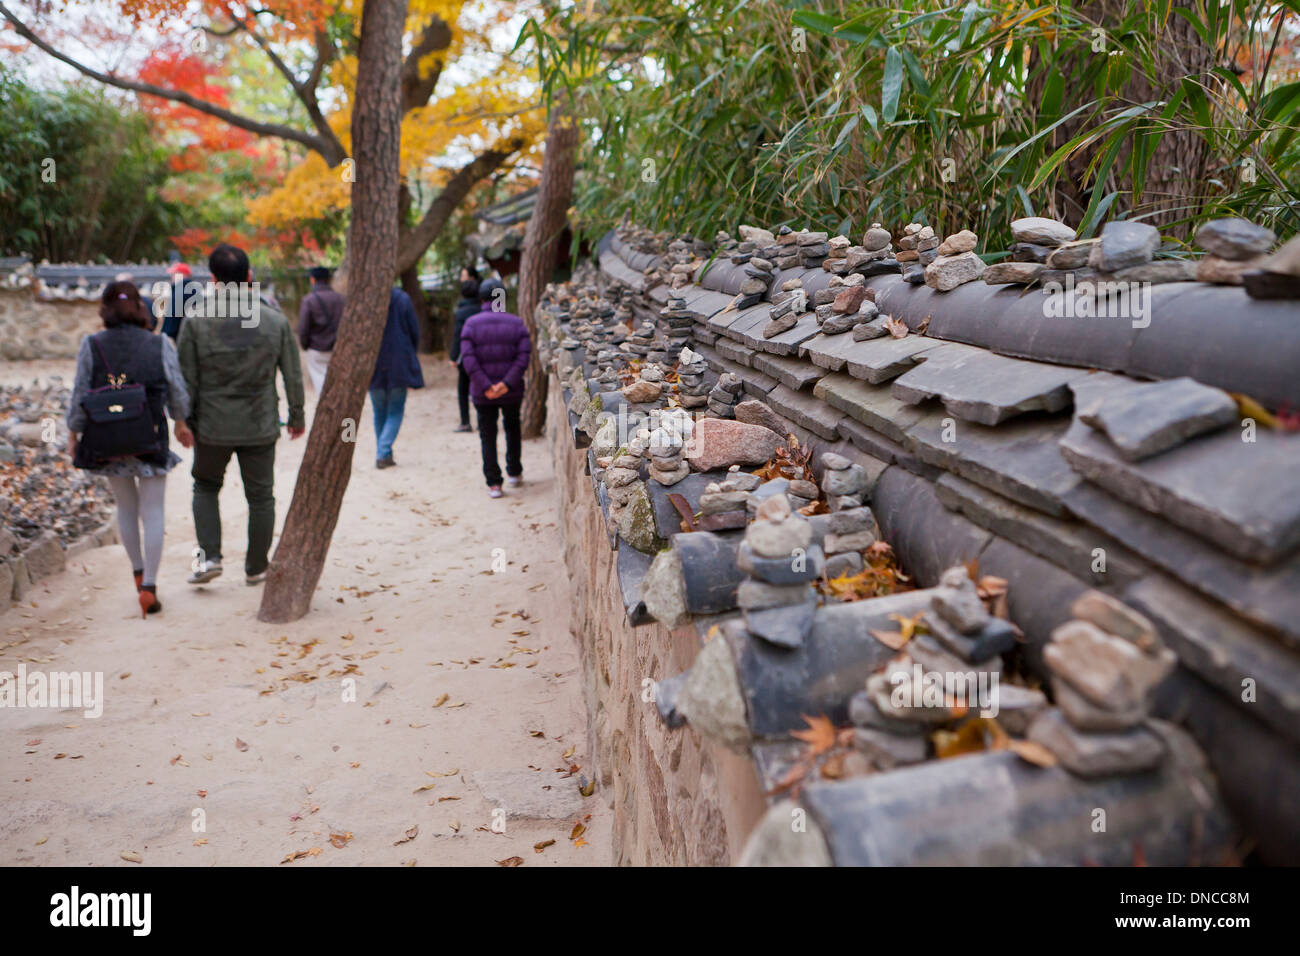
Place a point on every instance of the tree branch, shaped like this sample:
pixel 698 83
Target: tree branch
pixel 306 95
pixel 415 241
pixel 416 89
pixel 332 153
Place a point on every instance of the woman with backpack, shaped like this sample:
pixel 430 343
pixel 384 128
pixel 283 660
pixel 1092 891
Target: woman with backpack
pixel 127 381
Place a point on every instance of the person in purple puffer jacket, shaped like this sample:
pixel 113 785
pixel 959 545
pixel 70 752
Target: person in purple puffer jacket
pixel 494 351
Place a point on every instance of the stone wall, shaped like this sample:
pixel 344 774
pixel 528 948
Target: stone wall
pixel 678 798
pixel 34 329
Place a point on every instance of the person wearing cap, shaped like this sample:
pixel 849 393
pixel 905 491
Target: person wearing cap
pixel 318 325
pixel 494 349
pixel 174 315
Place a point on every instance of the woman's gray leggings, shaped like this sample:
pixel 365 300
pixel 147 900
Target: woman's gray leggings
pixel 140 502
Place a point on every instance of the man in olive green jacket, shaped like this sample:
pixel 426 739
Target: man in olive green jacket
pixel 230 351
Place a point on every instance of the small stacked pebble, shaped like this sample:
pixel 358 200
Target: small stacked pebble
pixel 1105 664
pixel 692 392
pixel 758 269
pixel 848 534
pixel 869 323
pixel 787 305
pixel 844 482
pixel 725 394
pixel 837 256
pixel 623 476
pixel 787 244
pixel 843 311
pixel 962 624
pixel 955 262
pixel 813 249
pixel 1235 247
pixel 681 259
pixel 917 249
pixel 725 504
pixel 666 443
pixel 679 322
pixel 647 388
pixel 780 560
pixel 1035 238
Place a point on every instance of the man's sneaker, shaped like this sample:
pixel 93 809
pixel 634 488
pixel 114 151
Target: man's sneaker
pixel 494 491
pixel 385 462
pixel 514 481
pixel 463 427
pixel 252 579
pixel 205 572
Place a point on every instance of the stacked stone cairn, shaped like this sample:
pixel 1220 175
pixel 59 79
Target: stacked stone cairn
pixel 648 386
pixel 916 250
pixel 1235 247
pixel 780 560
pixel 837 256
pixel 725 504
pixel 670 430
pixel 875 256
pixel 813 249
pixel 1034 239
pixel 681 260
pixel 725 394
pixel 961 623
pixel 758 268
pixel 623 476
pixel 692 391
pixel 1105 664
pixel 1124 253
pixel 787 305
pixel 680 323
pixel 787 248
pixel 955 263
pixel 847 295
pixel 851 527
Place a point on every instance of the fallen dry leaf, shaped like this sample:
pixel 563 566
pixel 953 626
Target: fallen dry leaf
pixel 578 830
pixel 442 699
pixel 539 847
pixel 896 327
pixel 410 835
pixel 1032 752
pixel 131 856
pixel 820 735
pixel 511 861
pixel 339 840
pixel 240 745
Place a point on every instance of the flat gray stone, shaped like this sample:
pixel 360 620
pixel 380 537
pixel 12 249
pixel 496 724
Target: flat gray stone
pixel 733 351
pixel 1018 459
pixel 873 405
pixel 1070 545
pixel 786 626
pixel 1230 492
pixel 1041 231
pixel 527 793
pixel 1142 419
pixel 806 410
pixel 1096 754
pixel 981 386
pixel 792 372
pixel 1224 651
pixel 788 342
pixel 782 570
pixel 1268 597
pixel 827 351
pixel 1125 244
pixel 879 360
pixel 1234 238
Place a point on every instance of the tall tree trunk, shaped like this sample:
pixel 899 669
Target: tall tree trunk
pixel 372 249
pixel 1176 171
pixel 540 243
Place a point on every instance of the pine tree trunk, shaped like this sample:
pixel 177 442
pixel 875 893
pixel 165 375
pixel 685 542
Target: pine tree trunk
pixel 540 243
pixel 372 248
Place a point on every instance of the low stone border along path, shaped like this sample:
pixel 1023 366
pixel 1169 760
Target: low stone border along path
pixel 207 709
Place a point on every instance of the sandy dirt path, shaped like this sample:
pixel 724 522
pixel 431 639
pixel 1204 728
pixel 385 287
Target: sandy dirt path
pixel 207 709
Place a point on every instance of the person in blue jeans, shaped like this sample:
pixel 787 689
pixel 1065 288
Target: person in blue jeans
pixel 396 370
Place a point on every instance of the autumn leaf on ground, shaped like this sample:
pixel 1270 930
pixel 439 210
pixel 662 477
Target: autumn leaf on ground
pixel 340 840
pixel 240 745
pixel 442 699
pixel 1033 752
pixel 833 768
pixel 895 327
pixel 578 830
pixel 410 835
pixel 974 736
pixel 131 856
pixel 511 861
pixel 820 735
pixel 437 773
pixel 539 847
pixel 1247 407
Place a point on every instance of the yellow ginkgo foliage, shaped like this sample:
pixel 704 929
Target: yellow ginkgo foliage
pixel 483 101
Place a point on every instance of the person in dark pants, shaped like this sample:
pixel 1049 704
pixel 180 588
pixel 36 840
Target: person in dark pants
pixel 467 306
pixel 494 349
pixel 396 370
pixel 230 362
